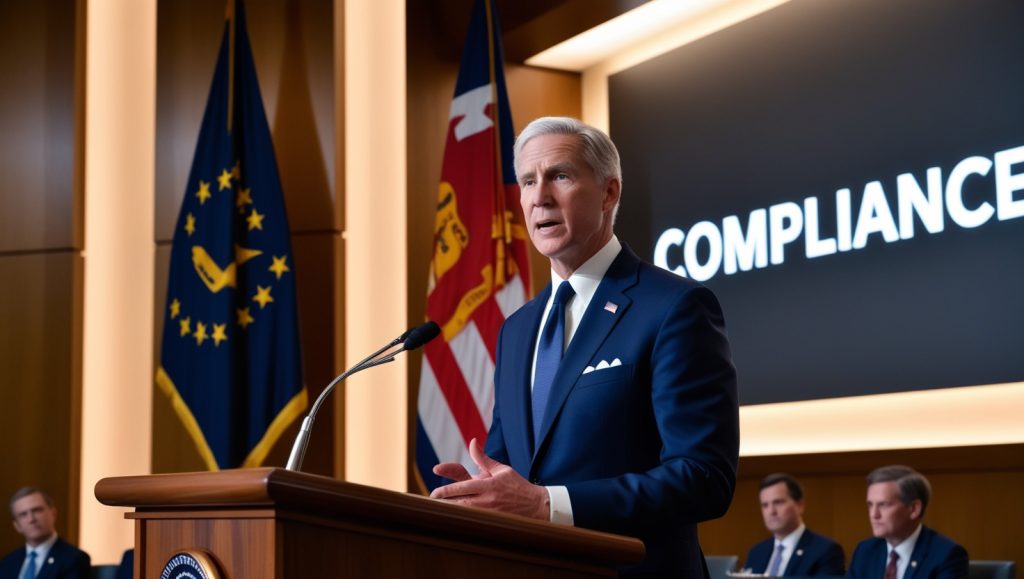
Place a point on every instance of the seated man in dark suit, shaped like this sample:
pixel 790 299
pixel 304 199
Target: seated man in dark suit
pixel 45 555
pixel 794 551
pixel 903 548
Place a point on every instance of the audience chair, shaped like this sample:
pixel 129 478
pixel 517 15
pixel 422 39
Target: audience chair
pixel 991 570
pixel 103 572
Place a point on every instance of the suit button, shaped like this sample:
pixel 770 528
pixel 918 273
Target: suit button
pixel 535 481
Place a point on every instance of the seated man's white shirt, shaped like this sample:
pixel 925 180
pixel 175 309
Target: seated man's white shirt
pixel 905 550
pixel 789 543
pixel 41 550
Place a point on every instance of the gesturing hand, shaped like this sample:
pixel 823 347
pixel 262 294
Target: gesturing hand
pixel 497 487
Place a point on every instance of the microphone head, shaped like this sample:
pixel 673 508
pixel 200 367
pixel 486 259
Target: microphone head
pixel 420 335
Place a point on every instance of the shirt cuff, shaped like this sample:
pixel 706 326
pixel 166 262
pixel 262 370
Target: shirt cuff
pixel 561 506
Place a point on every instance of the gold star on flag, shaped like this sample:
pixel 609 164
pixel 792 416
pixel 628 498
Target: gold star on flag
pixel 279 266
pixel 236 171
pixel 244 198
pixel 255 220
pixel 190 224
pixel 175 308
pixel 244 317
pixel 186 326
pixel 224 180
pixel 204 192
pixel 200 333
pixel 219 334
pixel 262 296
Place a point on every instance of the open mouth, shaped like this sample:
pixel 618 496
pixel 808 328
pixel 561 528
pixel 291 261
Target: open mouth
pixel 544 225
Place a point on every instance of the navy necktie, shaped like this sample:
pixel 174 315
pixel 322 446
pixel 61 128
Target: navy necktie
pixel 549 355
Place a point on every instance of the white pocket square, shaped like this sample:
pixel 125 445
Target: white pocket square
pixel 602 365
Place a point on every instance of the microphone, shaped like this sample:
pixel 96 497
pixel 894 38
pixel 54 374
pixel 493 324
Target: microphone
pixel 420 335
pixel 411 339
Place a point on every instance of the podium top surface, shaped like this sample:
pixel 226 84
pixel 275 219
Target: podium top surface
pixel 299 493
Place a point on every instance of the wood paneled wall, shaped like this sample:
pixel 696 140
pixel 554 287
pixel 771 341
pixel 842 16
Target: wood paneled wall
pixel 293 46
pixel 40 260
pixel 978 498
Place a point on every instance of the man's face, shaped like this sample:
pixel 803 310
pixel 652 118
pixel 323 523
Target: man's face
pixel 568 212
pixel 33 518
pixel 890 518
pixel 782 515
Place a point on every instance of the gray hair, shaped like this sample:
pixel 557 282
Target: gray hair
pixel 596 148
pixel 27 491
pixel 912 485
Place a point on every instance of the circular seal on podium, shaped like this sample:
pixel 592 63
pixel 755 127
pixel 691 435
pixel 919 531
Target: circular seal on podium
pixel 189 565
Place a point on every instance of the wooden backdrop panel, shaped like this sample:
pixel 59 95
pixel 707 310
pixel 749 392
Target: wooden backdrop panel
pixel 40 214
pixel 39 405
pixel 37 112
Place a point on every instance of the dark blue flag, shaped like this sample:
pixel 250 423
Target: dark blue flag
pixel 231 361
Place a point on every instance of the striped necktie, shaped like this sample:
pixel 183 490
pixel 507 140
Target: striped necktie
pixel 890 569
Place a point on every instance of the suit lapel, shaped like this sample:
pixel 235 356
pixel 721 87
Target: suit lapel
pixel 593 329
pixel 46 569
pixel 920 553
pixel 798 555
pixel 519 431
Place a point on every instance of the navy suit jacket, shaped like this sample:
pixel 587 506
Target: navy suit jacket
pixel 935 556
pixel 647 448
pixel 815 555
pixel 64 561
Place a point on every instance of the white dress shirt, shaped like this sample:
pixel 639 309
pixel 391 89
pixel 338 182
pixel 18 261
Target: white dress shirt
pixel 905 550
pixel 789 543
pixel 584 282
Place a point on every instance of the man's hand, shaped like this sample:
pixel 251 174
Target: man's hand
pixel 497 487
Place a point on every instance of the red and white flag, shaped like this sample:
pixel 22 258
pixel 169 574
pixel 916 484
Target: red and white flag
pixel 480 268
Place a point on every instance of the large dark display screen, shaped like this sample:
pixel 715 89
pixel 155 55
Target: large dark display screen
pixel 848 177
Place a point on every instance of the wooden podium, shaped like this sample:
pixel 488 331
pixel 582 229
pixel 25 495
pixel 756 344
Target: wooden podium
pixel 270 523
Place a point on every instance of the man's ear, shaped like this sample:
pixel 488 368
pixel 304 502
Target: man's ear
pixel 915 509
pixel 612 192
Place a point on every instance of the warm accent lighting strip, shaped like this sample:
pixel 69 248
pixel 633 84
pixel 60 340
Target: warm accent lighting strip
pixel 651 28
pixel 969 416
pixel 119 257
pixel 375 239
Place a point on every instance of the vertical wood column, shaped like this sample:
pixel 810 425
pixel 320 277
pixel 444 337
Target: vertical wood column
pixel 117 361
pixel 376 284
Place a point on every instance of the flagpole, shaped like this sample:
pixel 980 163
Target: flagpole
pixel 229 13
pixel 502 237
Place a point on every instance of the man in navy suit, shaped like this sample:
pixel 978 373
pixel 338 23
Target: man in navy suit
pixel 795 550
pixel 903 548
pixel 632 426
pixel 45 555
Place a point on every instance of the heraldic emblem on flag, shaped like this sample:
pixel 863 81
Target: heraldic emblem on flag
pixel 480 270
pixel 230 360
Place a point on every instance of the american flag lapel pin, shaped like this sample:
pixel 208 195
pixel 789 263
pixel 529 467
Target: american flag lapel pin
pixel 610 307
